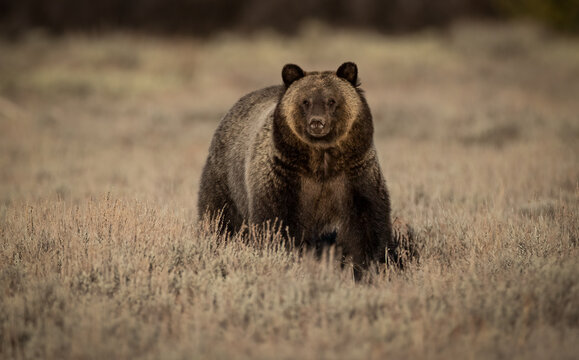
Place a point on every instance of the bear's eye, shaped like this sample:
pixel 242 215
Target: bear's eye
pixel 306 102
pixel 331 102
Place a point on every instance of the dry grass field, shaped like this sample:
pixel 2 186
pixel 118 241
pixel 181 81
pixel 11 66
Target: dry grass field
pixel 102 140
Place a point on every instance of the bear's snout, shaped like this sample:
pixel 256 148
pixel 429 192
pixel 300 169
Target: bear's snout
pixel 317 126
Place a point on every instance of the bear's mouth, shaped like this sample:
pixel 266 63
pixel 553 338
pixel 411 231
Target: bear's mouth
pixel 318 128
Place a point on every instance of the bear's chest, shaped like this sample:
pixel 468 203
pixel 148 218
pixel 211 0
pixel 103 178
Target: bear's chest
pixel 323 205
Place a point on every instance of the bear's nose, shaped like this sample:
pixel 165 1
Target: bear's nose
pixel 317 124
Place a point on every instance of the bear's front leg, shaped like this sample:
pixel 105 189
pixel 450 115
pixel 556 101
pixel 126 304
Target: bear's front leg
pixel 274 200
pixel 370 227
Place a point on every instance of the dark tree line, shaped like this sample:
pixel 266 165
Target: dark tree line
pixel 202 17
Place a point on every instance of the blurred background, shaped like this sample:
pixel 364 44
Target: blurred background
pixel 203 17
pixel 474 101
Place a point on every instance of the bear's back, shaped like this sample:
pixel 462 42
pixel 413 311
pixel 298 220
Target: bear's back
pixel 246 116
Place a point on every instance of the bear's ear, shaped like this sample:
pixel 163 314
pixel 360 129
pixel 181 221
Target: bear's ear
pixel 348 71
pixel 291 73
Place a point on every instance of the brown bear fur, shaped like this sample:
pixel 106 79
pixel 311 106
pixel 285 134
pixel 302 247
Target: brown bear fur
pixel 302 153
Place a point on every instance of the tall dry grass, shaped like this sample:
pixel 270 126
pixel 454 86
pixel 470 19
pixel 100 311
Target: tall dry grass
pixel 102 140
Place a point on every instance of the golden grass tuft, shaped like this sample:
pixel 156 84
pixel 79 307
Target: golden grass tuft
pixel 120 278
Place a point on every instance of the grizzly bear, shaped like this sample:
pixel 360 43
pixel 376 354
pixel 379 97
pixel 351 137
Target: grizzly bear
pixel 302 154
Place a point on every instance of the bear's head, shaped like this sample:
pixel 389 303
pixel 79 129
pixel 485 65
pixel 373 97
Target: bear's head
pixel 321 107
